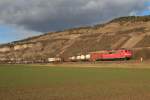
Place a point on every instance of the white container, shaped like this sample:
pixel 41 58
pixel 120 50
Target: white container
pixel 54 59
pixel 73 58
pixel 83 57
pixel 88 56
pixel 78 57
pixel 51 59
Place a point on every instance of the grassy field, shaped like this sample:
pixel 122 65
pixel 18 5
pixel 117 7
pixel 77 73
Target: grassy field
pixel 62 82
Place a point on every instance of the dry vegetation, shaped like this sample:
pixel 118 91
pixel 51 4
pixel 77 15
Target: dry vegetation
pixel 118 33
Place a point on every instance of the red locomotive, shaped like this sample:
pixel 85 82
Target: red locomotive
pixel 111 55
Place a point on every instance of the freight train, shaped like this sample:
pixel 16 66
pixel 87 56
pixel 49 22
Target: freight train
pixel 120 54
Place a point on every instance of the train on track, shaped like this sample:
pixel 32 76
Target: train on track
pixel 104 55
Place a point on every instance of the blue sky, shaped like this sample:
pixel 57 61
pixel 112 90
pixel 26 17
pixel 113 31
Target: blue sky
pixel 5 35
pixel 33 18
pixel 146 11
pixel 10 33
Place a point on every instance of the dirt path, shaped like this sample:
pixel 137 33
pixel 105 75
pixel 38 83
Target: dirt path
pixel 119 42
pixel 133 41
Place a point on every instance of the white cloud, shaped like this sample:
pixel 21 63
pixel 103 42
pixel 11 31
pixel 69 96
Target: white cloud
pixel 149 8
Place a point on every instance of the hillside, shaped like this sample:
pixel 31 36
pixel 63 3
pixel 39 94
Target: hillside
pixel 125 32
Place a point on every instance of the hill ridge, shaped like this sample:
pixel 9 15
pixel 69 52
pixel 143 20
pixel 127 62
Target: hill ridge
pixel 124 32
